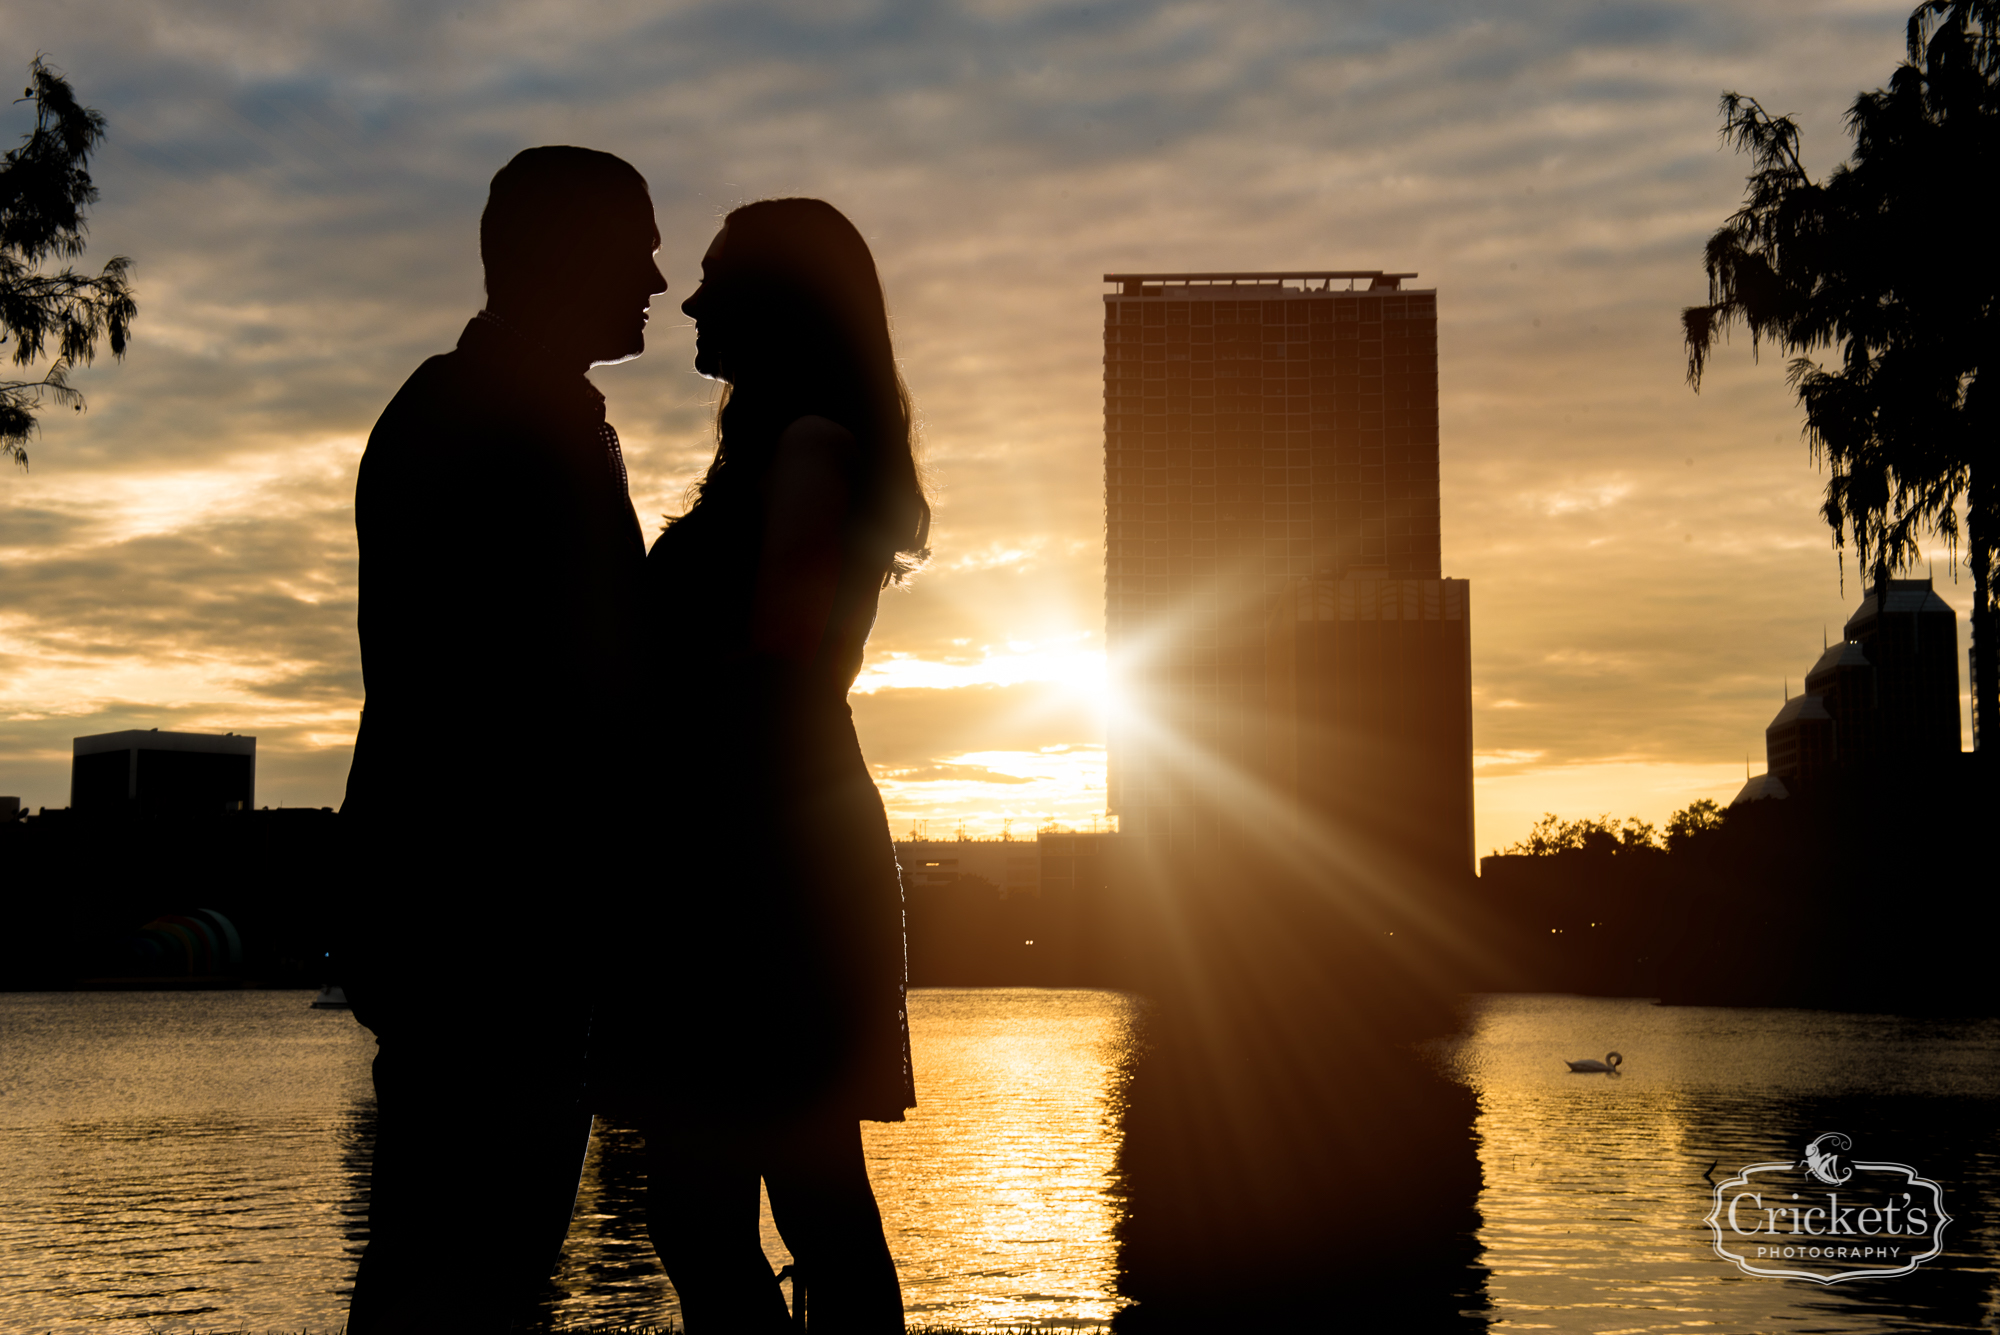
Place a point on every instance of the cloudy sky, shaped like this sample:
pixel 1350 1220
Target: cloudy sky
pixel 299 187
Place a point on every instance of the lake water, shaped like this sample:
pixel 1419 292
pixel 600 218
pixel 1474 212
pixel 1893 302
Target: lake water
pixel 998 1194
pixel 199 1160
pixel 1594 1198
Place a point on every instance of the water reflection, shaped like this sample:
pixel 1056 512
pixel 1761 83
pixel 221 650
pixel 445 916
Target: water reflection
pixel 999 1194
pixel 609 1272
pixel 1001 1191
pixel 177 1160
pixel 201 1159
pixel 1595 1200
pixel 355 1138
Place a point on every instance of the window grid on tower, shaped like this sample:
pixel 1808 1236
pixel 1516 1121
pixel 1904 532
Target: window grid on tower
pixel 1256 433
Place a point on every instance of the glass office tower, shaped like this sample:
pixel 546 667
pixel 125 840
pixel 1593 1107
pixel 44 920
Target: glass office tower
pixel 1266 434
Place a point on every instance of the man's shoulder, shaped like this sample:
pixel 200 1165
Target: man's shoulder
pixel 446 389
pixel 455 400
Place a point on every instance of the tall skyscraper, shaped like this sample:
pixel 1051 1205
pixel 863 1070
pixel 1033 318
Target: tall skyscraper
pixel 1265 434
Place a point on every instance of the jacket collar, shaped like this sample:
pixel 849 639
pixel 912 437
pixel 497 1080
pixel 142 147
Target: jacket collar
pixel 488 335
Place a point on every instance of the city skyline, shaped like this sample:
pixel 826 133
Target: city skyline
pixel 301 200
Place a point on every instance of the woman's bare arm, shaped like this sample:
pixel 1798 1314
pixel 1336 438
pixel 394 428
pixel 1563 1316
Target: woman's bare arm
pixel 806 501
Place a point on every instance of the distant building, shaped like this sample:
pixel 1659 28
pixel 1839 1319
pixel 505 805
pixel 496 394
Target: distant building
pixel 1012 866
pixel 1017 912
pixel 1270 438
pixel 1911 639
pixel 1882 702
pixel 1764 785
pixel 163 773
pixel 1086 929
pixel 1074 865
pixel 1370 705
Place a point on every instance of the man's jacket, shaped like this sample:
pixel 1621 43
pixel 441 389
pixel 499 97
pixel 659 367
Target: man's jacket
pixel 501 563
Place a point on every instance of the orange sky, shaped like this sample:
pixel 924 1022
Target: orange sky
pixel 301 194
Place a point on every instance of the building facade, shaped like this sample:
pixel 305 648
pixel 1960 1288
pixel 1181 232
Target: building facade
pixel 163 773
pixel 1370 701
pixel 1011 866
pixel 1883 702
pixel 1015 912
pixel 1263 432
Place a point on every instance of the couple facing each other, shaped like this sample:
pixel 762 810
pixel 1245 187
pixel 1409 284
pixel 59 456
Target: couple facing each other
pixel 708 939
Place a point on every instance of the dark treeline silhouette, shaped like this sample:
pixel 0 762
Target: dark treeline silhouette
pixel 1582 899
pixel 1584 906
pixel 1857 893
pixel 95 900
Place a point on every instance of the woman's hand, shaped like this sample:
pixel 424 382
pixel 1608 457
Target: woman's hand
pixel 806 502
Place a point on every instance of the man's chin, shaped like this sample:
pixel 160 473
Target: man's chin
pixel 615 358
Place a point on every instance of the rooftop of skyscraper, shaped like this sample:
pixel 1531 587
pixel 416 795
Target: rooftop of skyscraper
pixel 1263 282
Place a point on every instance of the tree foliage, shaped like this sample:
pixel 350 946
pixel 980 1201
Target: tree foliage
pixel 1889 267
pixel 45 186
pixel 1693 823
pixel 1602 836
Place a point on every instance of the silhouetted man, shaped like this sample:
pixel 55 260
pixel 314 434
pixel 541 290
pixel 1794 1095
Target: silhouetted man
pixel 500 565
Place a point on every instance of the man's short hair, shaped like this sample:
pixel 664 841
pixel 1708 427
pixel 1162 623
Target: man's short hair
pixel 542 202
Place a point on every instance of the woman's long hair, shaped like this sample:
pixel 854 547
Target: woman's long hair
pixel 804 330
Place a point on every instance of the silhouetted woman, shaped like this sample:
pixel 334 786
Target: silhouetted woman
pixel 782 1005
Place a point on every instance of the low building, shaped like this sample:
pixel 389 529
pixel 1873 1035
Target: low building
pixel 162 773
pixel 1047 912
pixel 1074 865
pixel 1013 866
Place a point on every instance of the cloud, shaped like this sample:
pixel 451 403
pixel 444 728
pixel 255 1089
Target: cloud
pixel 905 728
pixel 952 773
pixel 1574 499
pixel 301 197
pixel 987 792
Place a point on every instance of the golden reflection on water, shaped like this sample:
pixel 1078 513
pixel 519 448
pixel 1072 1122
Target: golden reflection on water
pixel 169 1160
pixel 999 1194
pixel 177 1159
pixel 1595 1200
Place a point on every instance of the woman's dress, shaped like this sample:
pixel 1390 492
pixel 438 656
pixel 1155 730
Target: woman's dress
pixel 777 982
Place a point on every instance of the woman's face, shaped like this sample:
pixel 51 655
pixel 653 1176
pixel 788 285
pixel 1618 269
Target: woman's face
pixel 705 308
